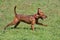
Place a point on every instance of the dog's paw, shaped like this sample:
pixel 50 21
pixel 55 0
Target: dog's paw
pixel 46 25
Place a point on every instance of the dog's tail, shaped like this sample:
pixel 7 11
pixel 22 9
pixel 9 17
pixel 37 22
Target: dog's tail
pixel 15 11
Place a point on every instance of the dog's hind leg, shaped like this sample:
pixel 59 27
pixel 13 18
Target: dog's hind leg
pixel 10 24
pixel 16 24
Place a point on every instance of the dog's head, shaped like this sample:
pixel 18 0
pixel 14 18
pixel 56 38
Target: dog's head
pixel 41 14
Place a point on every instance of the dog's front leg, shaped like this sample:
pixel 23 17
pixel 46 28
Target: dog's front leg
pixel 40 23
pixel 32 27
pixel 32 24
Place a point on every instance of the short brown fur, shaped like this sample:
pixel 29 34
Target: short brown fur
pixel 30 19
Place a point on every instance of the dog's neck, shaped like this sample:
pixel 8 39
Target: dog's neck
pixel 36 16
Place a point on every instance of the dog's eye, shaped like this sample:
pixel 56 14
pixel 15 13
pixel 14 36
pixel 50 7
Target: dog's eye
pixel 41 12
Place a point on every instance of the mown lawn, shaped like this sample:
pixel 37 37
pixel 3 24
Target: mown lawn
pixel 51 8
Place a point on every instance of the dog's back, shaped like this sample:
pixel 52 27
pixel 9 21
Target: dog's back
pixel 25 18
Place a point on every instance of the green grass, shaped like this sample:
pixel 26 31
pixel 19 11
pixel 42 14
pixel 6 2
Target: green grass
pixel 51 8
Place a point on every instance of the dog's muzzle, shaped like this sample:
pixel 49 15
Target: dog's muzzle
pixel 43 17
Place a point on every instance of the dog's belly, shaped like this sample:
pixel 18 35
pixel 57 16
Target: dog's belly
pixel 28 22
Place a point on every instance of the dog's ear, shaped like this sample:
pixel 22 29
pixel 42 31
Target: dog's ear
pixel 39 11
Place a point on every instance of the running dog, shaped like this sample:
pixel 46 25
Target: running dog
pixel 30 19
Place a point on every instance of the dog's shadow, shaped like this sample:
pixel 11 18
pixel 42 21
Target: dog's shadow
pixel 25 28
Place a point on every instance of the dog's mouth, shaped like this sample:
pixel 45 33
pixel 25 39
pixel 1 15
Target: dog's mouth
pixel 44 17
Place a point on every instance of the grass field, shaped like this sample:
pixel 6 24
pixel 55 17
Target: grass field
pixel 51 8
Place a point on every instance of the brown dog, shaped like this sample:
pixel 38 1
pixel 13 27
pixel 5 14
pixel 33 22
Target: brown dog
pixel 30 19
